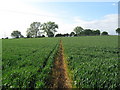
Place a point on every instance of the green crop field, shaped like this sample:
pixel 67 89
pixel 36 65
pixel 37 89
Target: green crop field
pixel 92 61
pixel 27 62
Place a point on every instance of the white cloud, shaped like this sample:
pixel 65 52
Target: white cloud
pixel 20 21
pixel 107 23
pixel 114 4
pixel 16 15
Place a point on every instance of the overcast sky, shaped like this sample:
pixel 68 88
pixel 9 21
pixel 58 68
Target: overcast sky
pixel 19 14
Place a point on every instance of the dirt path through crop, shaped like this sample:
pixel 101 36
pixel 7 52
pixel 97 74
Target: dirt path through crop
pixel 60 75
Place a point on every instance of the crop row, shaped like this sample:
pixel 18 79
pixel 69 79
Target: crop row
pixel 27 63
pixel 93 61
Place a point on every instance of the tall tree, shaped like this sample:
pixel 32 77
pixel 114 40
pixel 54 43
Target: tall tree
pixel 16 34
pixel 50 28
pixel 78 30
pixel 33 30
pixel 118 31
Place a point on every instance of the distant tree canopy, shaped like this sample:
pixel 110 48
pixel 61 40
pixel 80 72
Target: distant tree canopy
pixel 96 32
pixel 59 35
pixel 78 30
pixel 39 30
pixel 62 35
pixel 49 28
pixel 33 30
pixel 16 34
pixel 118 31
pixel 104 33
pixel 89 32
pixel 36 29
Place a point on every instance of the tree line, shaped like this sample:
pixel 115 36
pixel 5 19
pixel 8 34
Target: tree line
pixel 79 31
pixel 37 30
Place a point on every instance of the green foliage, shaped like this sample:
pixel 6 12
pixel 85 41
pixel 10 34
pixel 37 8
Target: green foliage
pixel 104 33
pixel 49 28
pixel 27 62
pixel 78 30
pixel 93 60
pixel 118 31
pixel 88 32
pixel 96 32
pixel 33 30
pixel 85 32
pixel 16 34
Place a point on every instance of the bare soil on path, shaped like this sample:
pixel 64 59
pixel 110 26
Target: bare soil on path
pixel 60 74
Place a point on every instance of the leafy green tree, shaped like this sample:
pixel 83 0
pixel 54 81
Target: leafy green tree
pixel 104 33
pixel 50 28
pixel 96 32
pixel 88 32
pixel 33 30
pixel 16 34
pixel 118 31
pixel 78 30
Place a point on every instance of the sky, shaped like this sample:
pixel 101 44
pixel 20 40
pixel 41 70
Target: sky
pixel 19 14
